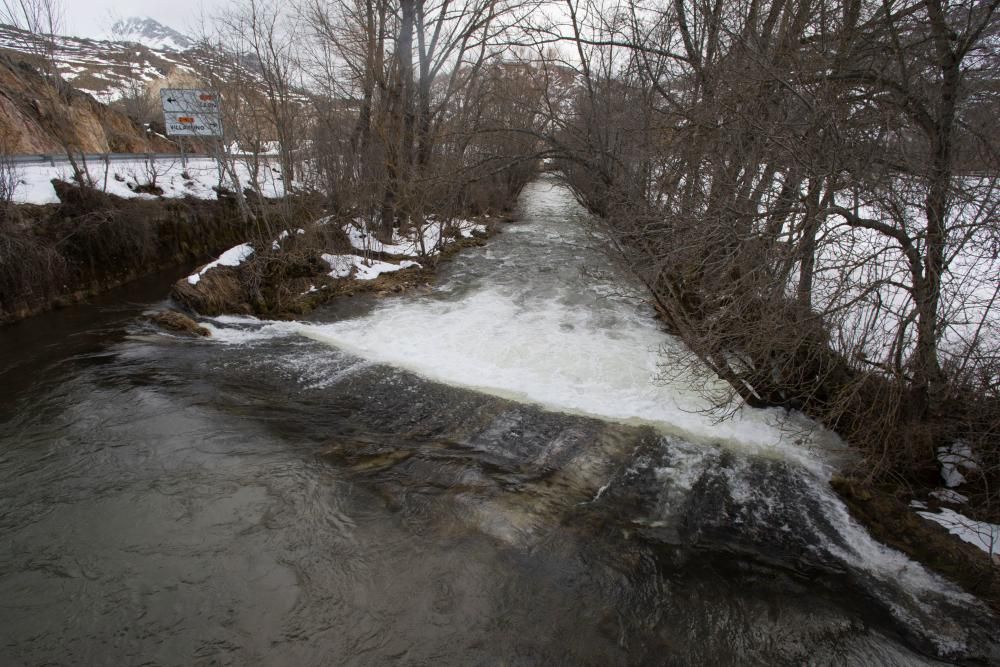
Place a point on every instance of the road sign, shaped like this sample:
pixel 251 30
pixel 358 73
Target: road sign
pixel 189 99
pixel 193 125
pixel 191 112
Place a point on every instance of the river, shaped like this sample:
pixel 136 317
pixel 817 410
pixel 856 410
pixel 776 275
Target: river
pixel 507 469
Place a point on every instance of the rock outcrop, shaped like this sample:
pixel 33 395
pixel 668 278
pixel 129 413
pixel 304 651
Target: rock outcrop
pixel 38 115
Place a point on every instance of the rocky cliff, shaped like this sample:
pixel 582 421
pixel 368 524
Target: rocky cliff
pixel 38 115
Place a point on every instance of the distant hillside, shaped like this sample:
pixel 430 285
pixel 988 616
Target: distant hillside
pixel 109 69
pixel 126 74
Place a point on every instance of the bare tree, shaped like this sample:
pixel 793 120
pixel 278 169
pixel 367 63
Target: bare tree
pixel 403 65
pixel 259 34
pixel 10 179
pixel 43 19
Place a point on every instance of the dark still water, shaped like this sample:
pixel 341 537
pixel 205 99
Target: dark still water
pixel 485 474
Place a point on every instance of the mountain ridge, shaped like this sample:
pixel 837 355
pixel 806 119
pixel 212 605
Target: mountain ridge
pixel 150 33
pixel 108 70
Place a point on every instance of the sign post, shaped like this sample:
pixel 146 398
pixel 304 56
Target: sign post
pixel 190 112
pixel 193 112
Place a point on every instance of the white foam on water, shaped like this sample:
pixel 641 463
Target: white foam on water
pixel 552 356
pixel 543 325
pixel 237 330
pixel 539 328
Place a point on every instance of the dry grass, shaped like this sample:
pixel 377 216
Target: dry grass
pixel 30 269
pixel 92 241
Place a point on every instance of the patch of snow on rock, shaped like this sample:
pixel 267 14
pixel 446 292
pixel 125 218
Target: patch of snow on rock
pixel 341 266
pixel 232 257
pixel 952 458
pixel 985 536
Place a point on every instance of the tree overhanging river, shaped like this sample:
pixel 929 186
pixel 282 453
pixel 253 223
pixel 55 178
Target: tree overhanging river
pixel 482 474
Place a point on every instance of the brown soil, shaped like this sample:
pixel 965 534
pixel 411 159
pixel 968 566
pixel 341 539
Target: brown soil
pixel 886 513
pixel 37 116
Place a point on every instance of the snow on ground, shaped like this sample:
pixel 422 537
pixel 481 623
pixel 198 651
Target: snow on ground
pixel 953 458
pixel 121 177
pixel 862 275
pixel 341 266
pixel 949 496
pixel 435 236
pixel 276 243
pixel 232 257
pixel 364 269
pixel 985 536
pixel 265 148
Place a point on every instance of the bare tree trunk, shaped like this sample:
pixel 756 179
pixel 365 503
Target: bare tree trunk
pixel 400 131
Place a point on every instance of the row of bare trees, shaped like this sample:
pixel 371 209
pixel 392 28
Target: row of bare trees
pixel 395 109
pixel 428 84
pixel 809 189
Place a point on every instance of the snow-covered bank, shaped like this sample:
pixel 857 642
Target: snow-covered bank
pixel 232 257
pixel 320 261
pixel 982 535
pixel 128 179
pixel 342 266
pixel 427 239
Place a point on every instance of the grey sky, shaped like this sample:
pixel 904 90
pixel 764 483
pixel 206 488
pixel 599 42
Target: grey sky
pixel 93 18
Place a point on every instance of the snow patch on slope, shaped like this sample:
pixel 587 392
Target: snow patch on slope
pixel 985 536
pixel 232 257
pixel 341 266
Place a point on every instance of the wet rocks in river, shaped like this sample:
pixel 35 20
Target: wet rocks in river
pixel 178 322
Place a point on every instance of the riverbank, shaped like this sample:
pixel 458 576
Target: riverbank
pixel 53 255
pixel 288 274
pixel 889 513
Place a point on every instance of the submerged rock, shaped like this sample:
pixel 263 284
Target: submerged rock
pixel 178 322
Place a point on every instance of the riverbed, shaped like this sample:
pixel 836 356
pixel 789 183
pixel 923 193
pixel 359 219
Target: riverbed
pixel 515 467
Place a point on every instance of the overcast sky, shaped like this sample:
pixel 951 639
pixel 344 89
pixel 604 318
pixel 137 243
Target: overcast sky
pixel 93 18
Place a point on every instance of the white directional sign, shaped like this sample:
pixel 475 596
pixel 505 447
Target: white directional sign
pixel 189 99
pixel 191 112
pixel 193 125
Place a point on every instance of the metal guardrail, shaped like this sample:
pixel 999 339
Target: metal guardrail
pixel 56 158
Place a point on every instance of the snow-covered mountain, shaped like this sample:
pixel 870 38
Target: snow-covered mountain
pixel 107 70
pixel 144 57
pixel 149 33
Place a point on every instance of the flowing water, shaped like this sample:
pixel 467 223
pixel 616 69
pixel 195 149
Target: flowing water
pixel 483 474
